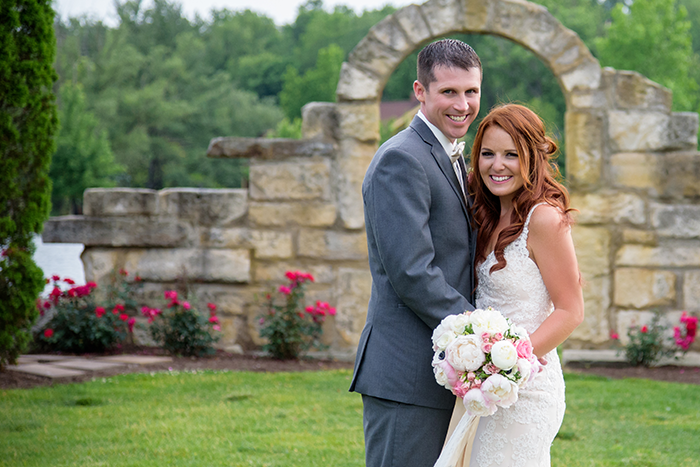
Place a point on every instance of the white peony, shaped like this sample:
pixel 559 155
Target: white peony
pixel 441 376
pixel 459 322
pixel 444 340
pixel 500 390
pixel 518 331
pixel 488 320
pixel 476 404
pixel 525 369
pixel 464 353
pixel 504 355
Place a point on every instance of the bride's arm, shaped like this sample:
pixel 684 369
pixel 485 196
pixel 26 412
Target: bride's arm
pixel 552 249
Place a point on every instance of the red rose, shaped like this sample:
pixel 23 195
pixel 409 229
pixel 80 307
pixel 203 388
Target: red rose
pixel 91 285
pixel 48 333
pixel 131 323
pixel 69 281
pixel 123 317
pixel 99 311
pixel 644 329
pixel 211 307
pixel 56 278
pixel 123 272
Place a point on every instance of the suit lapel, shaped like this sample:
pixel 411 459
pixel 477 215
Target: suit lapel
pixel 441 159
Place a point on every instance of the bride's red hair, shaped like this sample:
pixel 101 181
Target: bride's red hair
pixel 536 153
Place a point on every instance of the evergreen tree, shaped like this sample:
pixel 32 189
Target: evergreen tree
pixel 28 121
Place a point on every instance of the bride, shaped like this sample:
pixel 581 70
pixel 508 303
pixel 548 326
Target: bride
pixel 526 269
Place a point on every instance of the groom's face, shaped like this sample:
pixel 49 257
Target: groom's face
pixel 451 102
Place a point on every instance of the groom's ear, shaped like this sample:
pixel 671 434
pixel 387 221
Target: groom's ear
pixel 419 91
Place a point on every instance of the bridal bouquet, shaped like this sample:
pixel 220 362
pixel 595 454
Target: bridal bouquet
pixel 483 358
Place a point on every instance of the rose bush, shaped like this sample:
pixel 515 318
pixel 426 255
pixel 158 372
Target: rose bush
pixel 289 328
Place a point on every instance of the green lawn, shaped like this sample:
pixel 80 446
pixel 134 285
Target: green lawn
pixel 306 419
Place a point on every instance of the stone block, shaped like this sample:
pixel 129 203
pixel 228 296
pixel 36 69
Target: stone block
pixel 585 76
pixel 170 265
pixel 204 206
pixel 264 243
pixel 609 207
pixel 357 85
pixel 644 288
pixel 664 256
pixel 389 33
pixel 229 330
pixel 596 298
pixel 274 272
pixel 632 90
pixel 586 99
pixel 118 231
pixel 351 168
pixel 268 148
pixel 358 121
pixel 592 250
pixel 412 21
pixel 584 155
pixel 635 170
pixel 352 291
pixel 319 120
pixel 683 131
pixel 99 263
pixel 375 57
pixel 633 130
pixel 680 176
pixel 299 180
pixel 673 220
pixel 285 214
pixel 442 16
pixel 102 202
pixel 639 237
pixel 691 290
pixel 332 245
pixel 230 300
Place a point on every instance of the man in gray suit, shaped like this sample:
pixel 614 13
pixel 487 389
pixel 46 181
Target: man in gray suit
pixel 421 246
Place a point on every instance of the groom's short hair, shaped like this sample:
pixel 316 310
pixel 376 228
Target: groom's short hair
pixel 447 53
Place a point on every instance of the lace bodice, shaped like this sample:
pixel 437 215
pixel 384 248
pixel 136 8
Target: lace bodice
pixel 517 290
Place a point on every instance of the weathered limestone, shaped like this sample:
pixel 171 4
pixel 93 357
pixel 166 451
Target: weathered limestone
pixel 290 180
pixel 315 214
pixel 102 202
pixel 353 289
pixel 691 291
pixel 584 156
pixel 605 207
pixel 264 243
pixel 203 206
pixel 676 221
pixel 644 288
pixel 667 256
pixel 636 170
pixel 332 245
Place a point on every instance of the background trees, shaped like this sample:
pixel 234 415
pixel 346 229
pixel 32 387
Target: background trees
pixel 160 85
pixel 27 125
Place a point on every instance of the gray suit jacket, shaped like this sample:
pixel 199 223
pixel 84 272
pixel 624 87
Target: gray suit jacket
pixel 421 249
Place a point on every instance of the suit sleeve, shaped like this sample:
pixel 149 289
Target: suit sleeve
pixel 398 200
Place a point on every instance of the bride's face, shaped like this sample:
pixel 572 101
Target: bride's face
pixel 499 165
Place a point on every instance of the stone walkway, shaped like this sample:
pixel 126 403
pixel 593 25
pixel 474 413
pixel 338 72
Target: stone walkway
pixel 58 366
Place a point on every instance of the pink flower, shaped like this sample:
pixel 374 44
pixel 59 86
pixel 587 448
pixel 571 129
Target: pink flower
pixel 292 276
pixel 262 321
pixel 211 307
pixel 485 337
pixel 614 335
pixel 310 309
pixel 524 348
pixel 331 311
pixel 214 319
pixel 450 372
pixel 491 369
pixel 99 311
pixel 124 317
pixel 48 333
pixel 285 290
pixel 460 389
pixel 56 278
pixel 123 272
pixel 216 327
pixel 138 279
pixel 644 329
pixel 91 285
pixel 170 295
pixel 497 337
pixel 186 305
pixel 486 347
pixel 131 323
pixel 69 281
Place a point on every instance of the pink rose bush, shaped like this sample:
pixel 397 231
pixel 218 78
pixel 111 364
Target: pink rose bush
pixel 290 328
pixel 483 358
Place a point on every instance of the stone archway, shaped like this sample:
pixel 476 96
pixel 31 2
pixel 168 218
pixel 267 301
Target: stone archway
pixel 619 130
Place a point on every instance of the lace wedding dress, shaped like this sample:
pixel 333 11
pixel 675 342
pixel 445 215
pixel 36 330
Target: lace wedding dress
pixel 521 435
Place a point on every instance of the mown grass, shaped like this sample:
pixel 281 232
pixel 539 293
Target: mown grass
pixel 306 419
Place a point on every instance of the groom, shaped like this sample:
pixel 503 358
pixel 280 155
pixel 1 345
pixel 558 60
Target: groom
pixel 421 248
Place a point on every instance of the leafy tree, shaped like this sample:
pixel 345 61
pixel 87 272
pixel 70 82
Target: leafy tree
pixel 27 125
pixel 83 157
pixel 653 38
pixel 318 84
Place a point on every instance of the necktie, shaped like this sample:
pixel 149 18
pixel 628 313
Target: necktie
pixel 456 156
pixel 457 152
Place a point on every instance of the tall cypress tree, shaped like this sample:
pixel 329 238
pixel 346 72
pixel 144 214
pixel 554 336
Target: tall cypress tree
pixel 28 121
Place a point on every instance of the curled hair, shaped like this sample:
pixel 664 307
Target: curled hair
pixel 536 153
pixel 446 53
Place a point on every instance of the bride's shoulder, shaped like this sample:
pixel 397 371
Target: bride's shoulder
pixel 546 219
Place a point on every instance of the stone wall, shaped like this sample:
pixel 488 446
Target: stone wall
pixel 632 169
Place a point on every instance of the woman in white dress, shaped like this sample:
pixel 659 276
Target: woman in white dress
pixel 527 269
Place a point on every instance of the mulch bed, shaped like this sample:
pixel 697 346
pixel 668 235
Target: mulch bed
pixel 232 362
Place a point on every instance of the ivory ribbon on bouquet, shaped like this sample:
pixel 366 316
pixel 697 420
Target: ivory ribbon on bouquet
pixel 460 438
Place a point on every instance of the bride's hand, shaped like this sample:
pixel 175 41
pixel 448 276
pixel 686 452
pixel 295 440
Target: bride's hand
pixel 543 362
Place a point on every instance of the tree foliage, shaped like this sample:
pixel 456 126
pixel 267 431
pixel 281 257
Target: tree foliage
pixel 27 124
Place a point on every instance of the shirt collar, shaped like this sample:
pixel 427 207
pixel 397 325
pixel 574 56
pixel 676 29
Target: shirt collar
pixel 446 144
